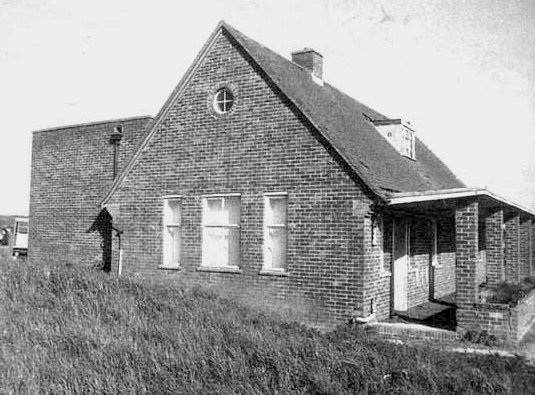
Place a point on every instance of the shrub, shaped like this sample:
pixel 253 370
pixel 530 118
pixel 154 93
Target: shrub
pixel 482 337
pixel 510 294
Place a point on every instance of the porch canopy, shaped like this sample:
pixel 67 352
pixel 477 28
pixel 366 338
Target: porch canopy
pixel 448 198
pixel 504 229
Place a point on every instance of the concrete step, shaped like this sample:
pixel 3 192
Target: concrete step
pixel 405 331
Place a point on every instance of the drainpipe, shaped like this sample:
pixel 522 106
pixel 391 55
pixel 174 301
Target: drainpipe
pixel 120 263
pixel 115 140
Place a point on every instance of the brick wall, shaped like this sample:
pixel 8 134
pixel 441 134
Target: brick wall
pixel 444 273
pixel 419 262
pixel 494 319
pixel 525 247
pixel 71 169
pixel 494 236
pixel 383 280
pixel 533 247
pixel 524 315
pixel 512 248
pixel 507 323
pixel 262 146
pixel 467 248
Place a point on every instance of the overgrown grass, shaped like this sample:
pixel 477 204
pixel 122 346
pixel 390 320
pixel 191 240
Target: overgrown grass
pixel 79 331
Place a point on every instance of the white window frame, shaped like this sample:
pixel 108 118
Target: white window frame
pixel 267 266
pixel 168 223
pixel 220 98
pixel 207 225
pixel 378 240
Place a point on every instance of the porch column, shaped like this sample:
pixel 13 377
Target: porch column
pixel 525 247
pixel 532 247
pixel 466 247
pixel 512 248
pixel 494 243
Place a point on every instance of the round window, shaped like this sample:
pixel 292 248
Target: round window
pixel 223 100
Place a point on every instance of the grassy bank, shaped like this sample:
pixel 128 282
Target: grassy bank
pixel 71 330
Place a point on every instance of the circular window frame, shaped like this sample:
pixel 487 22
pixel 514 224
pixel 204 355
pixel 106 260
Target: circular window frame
pixel 212 104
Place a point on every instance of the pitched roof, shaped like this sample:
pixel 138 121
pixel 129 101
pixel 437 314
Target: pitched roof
pixel 340 119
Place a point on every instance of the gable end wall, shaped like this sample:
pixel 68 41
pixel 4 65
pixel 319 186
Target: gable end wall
pixel 262 146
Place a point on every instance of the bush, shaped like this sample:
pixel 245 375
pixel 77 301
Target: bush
pixel 482 337
pixel 510 294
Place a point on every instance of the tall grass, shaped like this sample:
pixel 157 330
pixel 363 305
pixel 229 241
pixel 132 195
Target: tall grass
pixel 79 331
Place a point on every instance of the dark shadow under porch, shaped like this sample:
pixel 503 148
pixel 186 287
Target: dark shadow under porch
pixel 438 314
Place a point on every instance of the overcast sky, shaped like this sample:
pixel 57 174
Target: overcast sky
pixel 461 71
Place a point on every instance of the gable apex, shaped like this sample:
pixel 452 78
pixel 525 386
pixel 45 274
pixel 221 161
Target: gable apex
pixel 339 120
pixel 165 108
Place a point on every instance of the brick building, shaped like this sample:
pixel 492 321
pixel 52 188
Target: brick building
pixel 258 175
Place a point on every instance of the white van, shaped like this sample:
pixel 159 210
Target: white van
pixel 20 237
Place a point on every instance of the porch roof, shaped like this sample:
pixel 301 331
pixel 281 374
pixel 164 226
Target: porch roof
pixel 404 198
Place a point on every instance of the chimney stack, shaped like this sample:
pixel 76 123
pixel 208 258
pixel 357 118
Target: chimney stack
pixel 115 140
pixel 310 60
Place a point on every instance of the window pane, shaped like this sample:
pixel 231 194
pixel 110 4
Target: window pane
pixel 176 211
pixel 232 206
pixel 22 227
pixel 172 211
pixel 172 242
pixel 215 247
pixel 234 247
pixel 214 212
pixel 276 248
pixel 276 210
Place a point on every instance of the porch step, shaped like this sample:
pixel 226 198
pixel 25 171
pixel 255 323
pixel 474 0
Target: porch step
pixel 404 331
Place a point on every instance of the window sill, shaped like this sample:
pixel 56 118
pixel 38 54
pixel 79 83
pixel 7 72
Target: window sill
pixel 219 269
pixel 166 267
pixel 277 273
pixel 385 273
pixel 437 265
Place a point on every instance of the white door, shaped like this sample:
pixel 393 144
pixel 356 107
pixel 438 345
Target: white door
pixel 401 264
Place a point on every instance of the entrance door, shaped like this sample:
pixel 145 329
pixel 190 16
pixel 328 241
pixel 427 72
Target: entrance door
pixel 400 269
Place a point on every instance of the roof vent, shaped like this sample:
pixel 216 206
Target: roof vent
pixel 311 61
pixel 398 133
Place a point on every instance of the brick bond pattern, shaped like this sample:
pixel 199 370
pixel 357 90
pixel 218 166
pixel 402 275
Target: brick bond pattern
pixel 494 237
pixel 71 169
pixel 467 246
pixel 526 227
pixel 333 268
pixel 532 247
pixel 261 146
pixel 512 249
pixel 507 323
pixel 424 282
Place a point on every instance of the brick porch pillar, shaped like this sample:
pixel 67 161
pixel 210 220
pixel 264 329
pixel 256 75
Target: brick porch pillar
pixel 512 248
pixel 494 243
pixel 525 247
pixel 533 247
pixel 467 245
